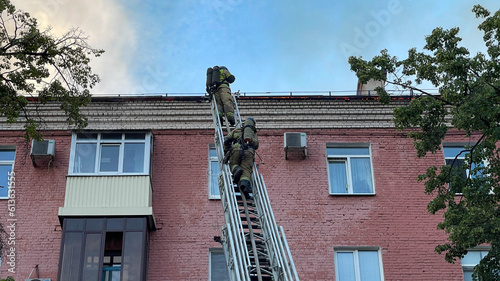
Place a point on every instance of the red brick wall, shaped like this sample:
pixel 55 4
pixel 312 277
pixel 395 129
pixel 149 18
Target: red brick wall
pixel 39 193
pixel 395 219
pixel 188 220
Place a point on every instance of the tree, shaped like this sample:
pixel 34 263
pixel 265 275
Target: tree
pixel 35 63
pixel 468 102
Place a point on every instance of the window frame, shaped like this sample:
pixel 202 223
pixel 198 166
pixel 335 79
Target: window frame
pixel 462 146
pixel 355 251
pixel 129 226
pixel 346 158
pixel 211 160
pixel 216 251
pixel 99 142
pixel 470 267
pixel 6 163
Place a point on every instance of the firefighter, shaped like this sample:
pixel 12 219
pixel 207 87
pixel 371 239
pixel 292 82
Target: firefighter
pixel 222 94
pixel 239 147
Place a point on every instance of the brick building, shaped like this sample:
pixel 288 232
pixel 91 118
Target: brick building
pixel 135 192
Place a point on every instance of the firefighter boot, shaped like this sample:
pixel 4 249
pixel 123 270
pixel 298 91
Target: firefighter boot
pixel 221 118
pixel 230 118
pixel 237 172
pixel 245 188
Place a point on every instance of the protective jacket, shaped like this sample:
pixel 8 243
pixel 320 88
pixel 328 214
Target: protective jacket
pixel 240 152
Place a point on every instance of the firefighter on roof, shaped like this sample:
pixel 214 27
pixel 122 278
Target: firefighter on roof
pixel 218 80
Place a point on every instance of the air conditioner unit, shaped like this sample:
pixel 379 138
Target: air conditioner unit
pixel 43 151
pixel 295 141
pixel 43 148
pixel 38 279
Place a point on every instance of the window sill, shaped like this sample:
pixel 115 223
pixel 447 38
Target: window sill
pixel 107 175
pixel 352 194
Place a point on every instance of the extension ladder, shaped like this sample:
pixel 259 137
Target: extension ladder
pixel 254 246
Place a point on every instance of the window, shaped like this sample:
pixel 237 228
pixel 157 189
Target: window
pixel 470 260
pixel 108 249
pixel 358 265
pixel 7 157
pixel 218 268
pixel 213 183
pixel 455 156
pixel 349 170
pixel 110 153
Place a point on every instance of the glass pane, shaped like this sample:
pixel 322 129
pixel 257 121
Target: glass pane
pixel 135 136
pixel 133 158
pixel 453 151
pixel 345 266
pixel 348 151
pixel 5 170
pixel 111 273
pixel 361 173
pixel 71 257
pixel 468 275
pixel 471 258
pixel 132 256
pixel 456 166
pixel 111 136
pixel 74 224
pixel 91 260
pixel 109 158
pixel 338 176
pixel 218 267
pixel 483 254
pixel 214 176
pixel 136 223
pixel 212 153
pixel 94 225
pixel 86 136
pixel 7 155
pixel 115 224
pixel 84 157
pixel 369 269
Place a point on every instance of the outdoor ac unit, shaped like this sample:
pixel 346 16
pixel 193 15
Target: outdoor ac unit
pixel 43 148
pixel 38 279
pixel 295 141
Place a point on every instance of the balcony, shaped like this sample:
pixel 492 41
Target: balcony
pixel 108 196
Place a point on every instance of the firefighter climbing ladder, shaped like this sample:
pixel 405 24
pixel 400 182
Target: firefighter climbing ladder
pixel 254 246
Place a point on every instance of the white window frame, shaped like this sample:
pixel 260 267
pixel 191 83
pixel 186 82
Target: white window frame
pixel 210 252
pixel 470 267
pixel 211 160
pixel 8 162
pixel 460 157
pixel 347 159
pixel 121 142
pixel 355 251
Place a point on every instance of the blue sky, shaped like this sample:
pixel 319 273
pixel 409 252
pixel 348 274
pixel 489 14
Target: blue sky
pixel 270 46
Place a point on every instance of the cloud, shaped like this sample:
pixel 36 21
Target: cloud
pixel 107 26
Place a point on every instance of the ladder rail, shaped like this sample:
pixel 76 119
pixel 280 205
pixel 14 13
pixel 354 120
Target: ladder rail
pixel 235 247
pixel 270 235
pixel 236 238
pixel 252 240
pixel 231 197
pixel 268 216
pixel 228 198
pixel 289 253
pixel 228 245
